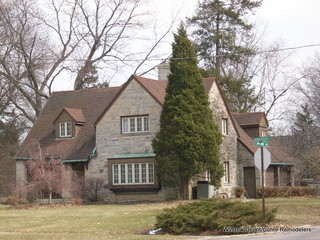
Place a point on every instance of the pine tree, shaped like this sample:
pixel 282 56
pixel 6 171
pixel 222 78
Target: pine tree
pixel 224 38
pixel 304 131
pixel 188 141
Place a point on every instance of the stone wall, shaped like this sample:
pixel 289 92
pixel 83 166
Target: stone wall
pixel 245 159
pixel 228 148
pixel 133 101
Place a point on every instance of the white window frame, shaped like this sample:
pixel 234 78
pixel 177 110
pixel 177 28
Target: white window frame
pixel 263 133
pixel 65 129
pixel 133 173
pixel 136 124
pixel 224 126
pixel 226 177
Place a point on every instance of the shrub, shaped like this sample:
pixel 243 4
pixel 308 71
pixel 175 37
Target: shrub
pixel 14 201
pixel 239 192
pixel 288 191
pixel 211 215
pixel 91 188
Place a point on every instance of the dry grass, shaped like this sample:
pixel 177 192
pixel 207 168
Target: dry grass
pixel 122 221
pixel 296 211
pixel 81 222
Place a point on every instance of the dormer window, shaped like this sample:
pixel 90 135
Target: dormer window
pixel 69 123
pixel 65 129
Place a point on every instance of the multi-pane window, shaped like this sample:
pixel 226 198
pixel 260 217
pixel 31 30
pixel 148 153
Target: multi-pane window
pixel 65 129
pixel 224 126
pixel 135 124
pixel 133 173
pixel 226 178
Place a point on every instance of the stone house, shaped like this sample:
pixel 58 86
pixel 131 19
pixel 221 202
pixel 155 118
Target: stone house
pixel 107 133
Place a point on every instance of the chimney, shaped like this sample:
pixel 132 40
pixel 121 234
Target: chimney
pixel 163 71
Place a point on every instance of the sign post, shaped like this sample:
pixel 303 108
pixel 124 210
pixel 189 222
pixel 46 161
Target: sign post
pixel 262 159
pixel 262 189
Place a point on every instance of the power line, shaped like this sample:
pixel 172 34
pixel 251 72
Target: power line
pixel 223 55
pixel 259 52
pixel 291 48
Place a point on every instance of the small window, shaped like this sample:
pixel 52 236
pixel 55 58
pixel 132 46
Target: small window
pixel 224 126
pixel 65 129
pixel 226 178
pixel 135 124
pixel 263 133
pixel 133 173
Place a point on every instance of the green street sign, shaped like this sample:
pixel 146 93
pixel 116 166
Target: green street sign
pixel 262 139
pixel 261 144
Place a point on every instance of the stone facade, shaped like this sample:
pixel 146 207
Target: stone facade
pixel 228 148
pixel 110 141
pixel 108 150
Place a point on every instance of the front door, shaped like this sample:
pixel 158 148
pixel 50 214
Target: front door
pixel 250 181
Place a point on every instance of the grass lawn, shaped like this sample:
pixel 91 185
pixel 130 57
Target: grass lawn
pixel 122 221
pixel 296 211
pixel 81 222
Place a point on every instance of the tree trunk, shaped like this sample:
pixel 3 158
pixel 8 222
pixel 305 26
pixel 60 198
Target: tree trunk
pixel 184 189
pixel 50 197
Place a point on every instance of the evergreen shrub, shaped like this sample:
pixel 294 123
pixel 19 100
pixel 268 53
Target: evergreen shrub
pixel 211 215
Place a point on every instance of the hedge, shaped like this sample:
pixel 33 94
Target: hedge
pixel 288 191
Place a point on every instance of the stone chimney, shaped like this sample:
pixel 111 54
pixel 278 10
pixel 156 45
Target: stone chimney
pixel 163 71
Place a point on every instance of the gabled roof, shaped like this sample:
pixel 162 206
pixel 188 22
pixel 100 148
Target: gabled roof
pixel 249 119
pixel 156 89
pixel 245 139
pixel 278 155
pixel 91 102
pixel 75 114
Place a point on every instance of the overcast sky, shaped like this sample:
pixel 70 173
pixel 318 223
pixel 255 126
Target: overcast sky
pixel 293 22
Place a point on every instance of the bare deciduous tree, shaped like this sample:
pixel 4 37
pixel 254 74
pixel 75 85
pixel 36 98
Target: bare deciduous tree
pixel 47 174
pixel 43 41
pixel 30 61
pixel 275 79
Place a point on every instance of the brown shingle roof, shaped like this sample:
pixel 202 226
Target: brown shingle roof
pixel 156 88
pixel 76 114
pixel 278 154
pixel 249 118
pixel 245 139
pixel 91 102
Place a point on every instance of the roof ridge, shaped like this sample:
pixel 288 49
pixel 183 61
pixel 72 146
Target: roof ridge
pixel 86 89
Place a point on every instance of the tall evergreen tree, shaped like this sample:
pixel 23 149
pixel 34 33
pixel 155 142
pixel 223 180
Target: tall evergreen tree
pixel 304 131
pixel 188 141
pixel 304 144
pixel 224 38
